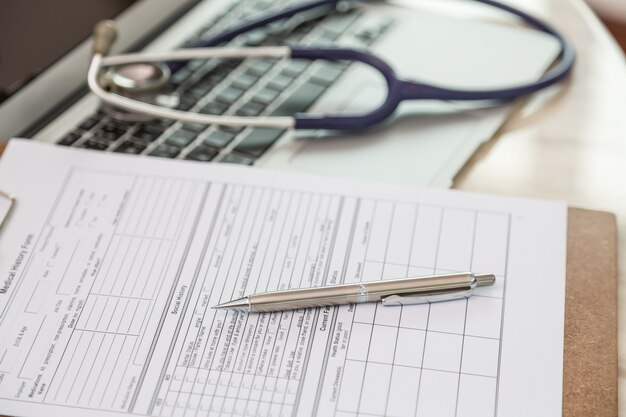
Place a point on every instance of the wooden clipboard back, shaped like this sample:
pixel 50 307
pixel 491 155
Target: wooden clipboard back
pixel 590 352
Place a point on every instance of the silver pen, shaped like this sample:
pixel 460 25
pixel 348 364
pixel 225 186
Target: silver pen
pixel 404 291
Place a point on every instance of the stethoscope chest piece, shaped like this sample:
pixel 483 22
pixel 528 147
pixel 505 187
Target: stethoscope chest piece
pixel 141 77
pixel 142 81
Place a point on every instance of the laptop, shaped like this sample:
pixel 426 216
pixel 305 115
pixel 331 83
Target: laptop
pixel 425 143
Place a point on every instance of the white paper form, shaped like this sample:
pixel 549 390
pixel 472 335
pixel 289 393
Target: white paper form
pixel 110 263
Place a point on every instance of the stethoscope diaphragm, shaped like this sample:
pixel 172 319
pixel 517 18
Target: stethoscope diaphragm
pixel 138 77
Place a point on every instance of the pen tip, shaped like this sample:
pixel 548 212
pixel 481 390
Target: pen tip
pixel 239 304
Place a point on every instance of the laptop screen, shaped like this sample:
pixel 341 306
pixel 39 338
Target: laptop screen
pixel 34 34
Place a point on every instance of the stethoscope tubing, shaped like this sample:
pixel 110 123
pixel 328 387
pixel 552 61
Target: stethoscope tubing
pixel 198 53
pixel 419 90
pixel 398 90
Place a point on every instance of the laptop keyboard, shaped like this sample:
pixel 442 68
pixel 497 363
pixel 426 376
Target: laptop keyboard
pixel 256 87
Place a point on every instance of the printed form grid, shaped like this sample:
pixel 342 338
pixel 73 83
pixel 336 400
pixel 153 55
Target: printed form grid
pixel 293 224
pixel 256 364
pixel 108 338
pixel 235 387
pixel 451 347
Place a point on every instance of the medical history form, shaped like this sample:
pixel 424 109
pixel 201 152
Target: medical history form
pixel 110 264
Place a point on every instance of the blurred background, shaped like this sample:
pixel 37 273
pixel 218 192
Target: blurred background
pixel 31 36
pixel 613 14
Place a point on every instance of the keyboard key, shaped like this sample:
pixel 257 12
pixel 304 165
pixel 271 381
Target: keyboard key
pixel 229 95
pixel 110 132
pixel 265 4
pixel 194 64
pixel 295 67
pixel 70 139
pixel 139 142
pixel 265 96
pixel 372 31
pixel 252 12
pixel 256 37
pixel 250 109
pixel 260 67
pixel 304 27
pixel 300 100
pixel 327 36
pixel 327 74
pixel 199 90
pixel 220 66
pixel 181 138
pixel 258 141
pixel 245 81
pixel 202 87
pixel 280 82
pixel 92 144
pixel 213 77
pixel 130 148
pixel 340 22
pixel 120 129
pixel 367 36
pixel 230 64
pixel 233 158
pixel 233 129
pixel 165 150
pixel 202 153
pixel 107 137
pixel 180 76
pixel 214 108
pixel 191 42
pixel 89 123
pixel 163 123
pixel 186 102
pixel 293 39
pixel 149 132
pixel 290 76
pixel 194 127
pixel 276 28
pixel 219 138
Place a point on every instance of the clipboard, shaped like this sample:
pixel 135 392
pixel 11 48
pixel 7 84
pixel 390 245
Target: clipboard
pixel 590 345
pixel 590 350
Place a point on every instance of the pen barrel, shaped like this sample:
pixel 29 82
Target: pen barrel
pixel 304 298
pixel 429 288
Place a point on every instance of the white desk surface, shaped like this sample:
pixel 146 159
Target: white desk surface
pixel 570 143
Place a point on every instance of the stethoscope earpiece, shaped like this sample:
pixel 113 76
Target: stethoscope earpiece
pixel 104 36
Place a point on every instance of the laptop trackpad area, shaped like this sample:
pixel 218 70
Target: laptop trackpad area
pixel 425 143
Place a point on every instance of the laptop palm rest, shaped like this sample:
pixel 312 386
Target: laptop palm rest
pixel 426 143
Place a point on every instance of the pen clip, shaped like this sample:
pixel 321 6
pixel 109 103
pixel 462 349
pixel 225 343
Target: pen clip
pixel 423 298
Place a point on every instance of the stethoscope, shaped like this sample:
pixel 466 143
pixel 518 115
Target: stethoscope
pixel 142 72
